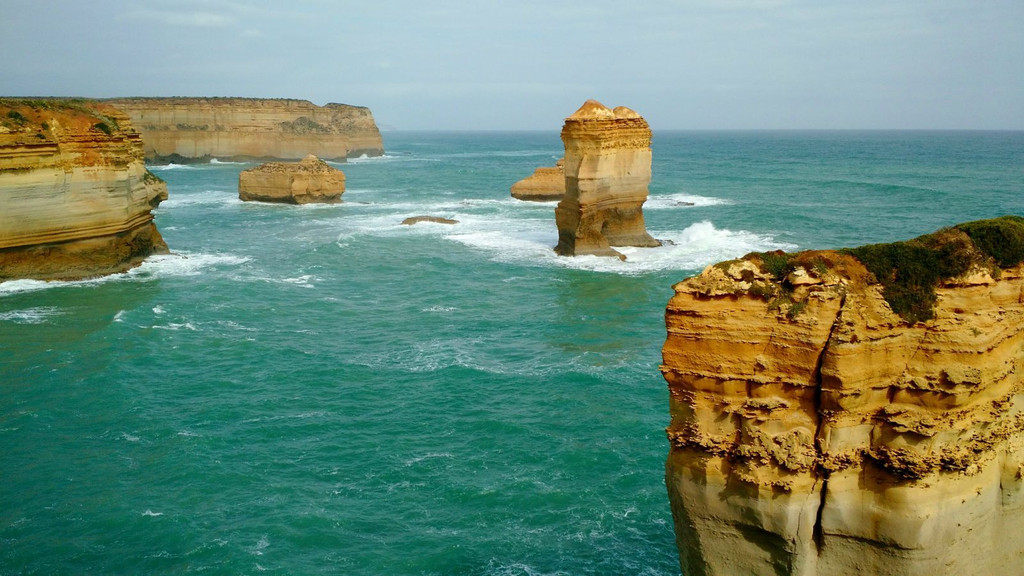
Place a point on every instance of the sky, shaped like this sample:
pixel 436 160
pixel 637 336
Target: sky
pixel 527 64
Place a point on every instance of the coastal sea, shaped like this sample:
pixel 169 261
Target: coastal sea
pixel 323 390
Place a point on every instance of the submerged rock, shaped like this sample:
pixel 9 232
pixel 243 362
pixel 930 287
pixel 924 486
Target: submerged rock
pixel 435 219
pixel 75 195
pixel 607 171
pixel 310 181
pixel 824 424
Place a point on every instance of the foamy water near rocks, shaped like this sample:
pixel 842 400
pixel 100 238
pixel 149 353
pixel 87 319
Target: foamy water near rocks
pixel 607 171
pixel 310 181
pixel 75 195
pixel 815 430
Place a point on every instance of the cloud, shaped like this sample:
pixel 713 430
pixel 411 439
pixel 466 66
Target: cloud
pixel 188 19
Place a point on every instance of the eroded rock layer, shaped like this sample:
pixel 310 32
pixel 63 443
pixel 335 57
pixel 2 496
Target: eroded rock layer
pixel 310 181
pixel 201 129
pixel 816 431
pixel 75 195
pixel 607 171
pixel 546 184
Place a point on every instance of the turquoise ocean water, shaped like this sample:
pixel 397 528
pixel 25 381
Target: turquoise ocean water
pixel 321 390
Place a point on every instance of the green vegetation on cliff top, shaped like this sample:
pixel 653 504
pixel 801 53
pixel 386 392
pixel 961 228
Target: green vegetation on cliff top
pixel 909 271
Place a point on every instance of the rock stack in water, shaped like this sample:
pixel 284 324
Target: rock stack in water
pixel 75 195
pixel 607 171
pixel 310 181
pixel 546 184
pixel 852 412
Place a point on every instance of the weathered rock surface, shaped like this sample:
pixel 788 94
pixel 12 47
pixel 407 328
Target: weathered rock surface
pixel 247 129
pixel 435 219
pixel 546 184
pixel 816 431
pixel 75 195
pixel 607 171
pixel 310 181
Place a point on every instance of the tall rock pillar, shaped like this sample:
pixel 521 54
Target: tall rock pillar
pixel 607 170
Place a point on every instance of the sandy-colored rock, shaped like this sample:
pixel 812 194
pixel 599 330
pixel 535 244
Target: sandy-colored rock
pixel 815 431
pixel 546 184
pixel 607 171
pixel 307 182
pixel 247 129
pixel 75 195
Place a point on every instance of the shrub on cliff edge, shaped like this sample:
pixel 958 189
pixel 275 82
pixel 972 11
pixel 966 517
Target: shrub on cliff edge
pixel 909 271
pixel 1001 238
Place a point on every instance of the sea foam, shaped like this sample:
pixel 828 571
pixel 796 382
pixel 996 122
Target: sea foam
pixel 204 198
pixel 38 315
pixel 157 266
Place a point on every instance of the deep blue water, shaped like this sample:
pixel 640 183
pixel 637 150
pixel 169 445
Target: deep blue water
pixel 321 390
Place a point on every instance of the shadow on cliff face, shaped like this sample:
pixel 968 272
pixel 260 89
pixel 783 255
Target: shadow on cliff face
pixel 41 323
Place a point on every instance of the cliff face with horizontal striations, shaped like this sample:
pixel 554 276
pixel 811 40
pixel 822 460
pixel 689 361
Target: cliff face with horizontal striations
pixel 75 195
pixel 546 184
pixel 307 182
pixel 245 129
pixel 815 430
pixel 607 171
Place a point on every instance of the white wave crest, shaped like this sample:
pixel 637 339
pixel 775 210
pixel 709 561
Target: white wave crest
pixel 693 248
pixel 682 201
pixel 204 198
pixel 38 315
pixel 170 166
pixel 157 266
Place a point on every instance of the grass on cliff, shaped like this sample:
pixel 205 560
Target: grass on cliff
pixel 24 113
pixel 909 271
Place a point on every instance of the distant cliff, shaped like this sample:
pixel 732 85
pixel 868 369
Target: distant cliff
pixel 200 129
pixel 75 195
pixel 852 412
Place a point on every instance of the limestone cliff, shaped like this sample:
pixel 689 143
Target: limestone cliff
pixel 853 412
pixel 607 171
pixel 306 182
pixel 75 195
pixel 546 184
pixel 245 129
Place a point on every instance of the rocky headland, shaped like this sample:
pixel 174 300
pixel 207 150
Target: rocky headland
pixel 250 129
pixel 75 195
pixel 306 182
pixel 607 171
pixel 852 412
pixel 546 184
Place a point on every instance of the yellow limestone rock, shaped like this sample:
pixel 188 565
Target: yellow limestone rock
pixel 310 181
pixel 607 171
pixel 75 195
pixel 815 431
pixel 201 129
pixel 546 184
